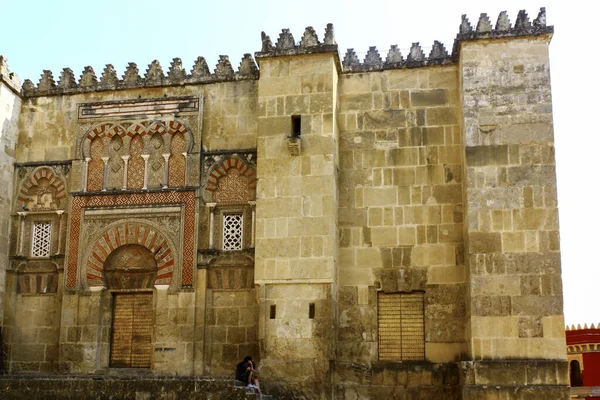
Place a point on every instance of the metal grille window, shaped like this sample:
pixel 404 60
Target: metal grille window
pixel 232 231
pixel 401 326
pixel 40 244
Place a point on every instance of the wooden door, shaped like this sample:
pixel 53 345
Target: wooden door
pixel 131 342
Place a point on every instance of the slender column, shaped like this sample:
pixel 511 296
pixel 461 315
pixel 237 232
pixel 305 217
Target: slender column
pixel 105 159
pixel 85 173
pixel 211 225
pixel 166 157
pixel 252 218
pixel 145 157
pixel 185 169
pixel 125 169
pixel 22 216
pixel 60 217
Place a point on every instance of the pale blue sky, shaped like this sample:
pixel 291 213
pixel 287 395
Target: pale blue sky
pixel 37 35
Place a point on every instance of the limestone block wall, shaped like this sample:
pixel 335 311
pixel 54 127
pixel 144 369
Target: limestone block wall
pixel 10 106
pixel 31 333
pixel 232 331
pixel 47 128
pixel 296 216
pixel 401 205
pixel 515 287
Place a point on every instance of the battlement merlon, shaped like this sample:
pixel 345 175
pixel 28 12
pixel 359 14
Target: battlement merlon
pixel 9 78
pixel 285 46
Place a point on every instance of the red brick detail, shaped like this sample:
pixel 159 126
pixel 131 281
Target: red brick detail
pixel 52 180
pixel 146 236
pixel 132 232
pixel 243 170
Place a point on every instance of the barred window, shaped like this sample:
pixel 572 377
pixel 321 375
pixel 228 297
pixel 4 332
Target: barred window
pixel 233 231
pixel 40 244
pixel 401 326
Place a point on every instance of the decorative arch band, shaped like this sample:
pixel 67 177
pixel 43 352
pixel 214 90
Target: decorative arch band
pixel 130 233
pixel 34 180
pixel 222 169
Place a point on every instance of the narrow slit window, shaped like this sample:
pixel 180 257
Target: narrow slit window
pixel 40 244
pixel 311 311
pixel 272 311
pixel 233 228
pixel 296 126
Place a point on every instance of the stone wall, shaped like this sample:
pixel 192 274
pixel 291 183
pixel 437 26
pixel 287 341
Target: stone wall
pixel 10 106
pixel 401 205
pixel 296 224
pixel 513 247
pixel 101 387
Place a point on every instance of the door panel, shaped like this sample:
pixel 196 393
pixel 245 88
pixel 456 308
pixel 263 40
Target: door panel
pixel 131 345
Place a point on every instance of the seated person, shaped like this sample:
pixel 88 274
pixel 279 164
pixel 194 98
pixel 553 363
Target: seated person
pixel 246 372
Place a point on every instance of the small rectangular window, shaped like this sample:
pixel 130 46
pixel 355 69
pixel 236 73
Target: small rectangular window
pixel 296 125
pixel 311 311
pixel 40 243
pixel 401 326
pixel 272 311
pixel 233 228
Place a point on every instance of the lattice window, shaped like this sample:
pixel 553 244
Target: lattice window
pixel 40 244
pixel 401 326
pixel 233 228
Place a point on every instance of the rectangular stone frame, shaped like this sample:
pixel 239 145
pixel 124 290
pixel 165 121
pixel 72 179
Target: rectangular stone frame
pixel 185 197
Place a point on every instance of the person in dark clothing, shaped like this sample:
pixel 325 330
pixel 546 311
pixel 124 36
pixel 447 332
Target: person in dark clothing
pixel 246 372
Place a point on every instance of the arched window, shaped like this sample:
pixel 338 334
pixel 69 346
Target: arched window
pixel 576 378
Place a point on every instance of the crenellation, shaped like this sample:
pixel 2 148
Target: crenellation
pixel 154 74
pixel 10 78
pixel 285 41
pixel 248 68
pixel 88 78
pixel 394 57
pixel 131 78
pixel 224 70
pixel 438 54
pixel 310 38
pixel 176 72
pixel 200 70
pixel 329 36
pixel 416 57
pixel 67 79
pixel 46 83
pixel 484 25
pixel 267 45
pixel 503 23
pixel 351 60
pixel 465 26
pixel 373 59
pixel 522 24
pixel 109 80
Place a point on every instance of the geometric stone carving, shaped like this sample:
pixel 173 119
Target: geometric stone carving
pixel 233 181
pixel 136 167
pixel 42 191
pixel 40 244
pixel 233 229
